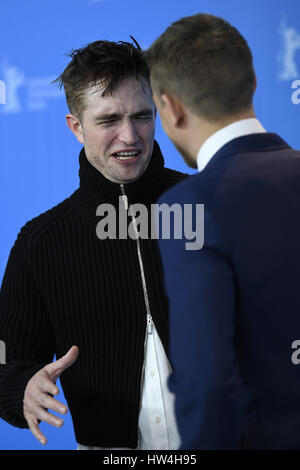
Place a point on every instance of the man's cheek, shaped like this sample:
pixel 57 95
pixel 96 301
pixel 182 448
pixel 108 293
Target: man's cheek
pixel 150 133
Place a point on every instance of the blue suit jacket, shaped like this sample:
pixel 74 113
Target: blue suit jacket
pixel 235 303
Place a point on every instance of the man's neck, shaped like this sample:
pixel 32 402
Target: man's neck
pixel 233 130
pixel 201 130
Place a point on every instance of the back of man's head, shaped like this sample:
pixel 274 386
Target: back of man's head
pixel 206 63
pixel 101 62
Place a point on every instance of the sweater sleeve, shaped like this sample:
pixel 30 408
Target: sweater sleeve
pixel 26 334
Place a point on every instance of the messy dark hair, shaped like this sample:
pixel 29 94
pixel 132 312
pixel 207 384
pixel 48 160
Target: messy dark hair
pixel 103 63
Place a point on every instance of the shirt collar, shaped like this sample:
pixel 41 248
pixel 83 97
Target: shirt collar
pixel 223 136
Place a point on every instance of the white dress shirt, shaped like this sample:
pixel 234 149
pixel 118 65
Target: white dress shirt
pixel 157 423
pixel 225 135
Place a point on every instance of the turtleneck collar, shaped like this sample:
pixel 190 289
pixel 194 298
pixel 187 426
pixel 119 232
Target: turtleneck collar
pixel 95 188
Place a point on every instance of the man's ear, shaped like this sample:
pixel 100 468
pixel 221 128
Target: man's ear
pixel 174 109
pixel 255 83
pixel 74 124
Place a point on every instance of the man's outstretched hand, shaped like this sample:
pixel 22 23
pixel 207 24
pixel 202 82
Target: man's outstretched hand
pixel 37 396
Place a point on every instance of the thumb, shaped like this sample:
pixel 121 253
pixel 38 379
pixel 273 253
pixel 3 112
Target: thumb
pixel 56 368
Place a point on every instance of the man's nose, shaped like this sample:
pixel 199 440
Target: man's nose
pixel 128 133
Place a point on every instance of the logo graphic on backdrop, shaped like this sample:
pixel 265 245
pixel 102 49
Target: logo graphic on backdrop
pixel 296 94
pixel 26 93
pixel 290 51
pixel 2 92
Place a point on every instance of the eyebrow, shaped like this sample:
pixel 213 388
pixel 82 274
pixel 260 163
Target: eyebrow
pixel 109 116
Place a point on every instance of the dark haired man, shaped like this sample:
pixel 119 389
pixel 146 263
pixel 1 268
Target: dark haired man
pixel 97 303
pixel 235 303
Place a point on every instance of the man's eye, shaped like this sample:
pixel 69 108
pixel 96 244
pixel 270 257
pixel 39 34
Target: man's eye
pixel 144 117
pixel 107 123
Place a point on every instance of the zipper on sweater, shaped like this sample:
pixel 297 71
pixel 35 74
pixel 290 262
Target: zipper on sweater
pixel 126 205
pixel 149 317
pixel 150 322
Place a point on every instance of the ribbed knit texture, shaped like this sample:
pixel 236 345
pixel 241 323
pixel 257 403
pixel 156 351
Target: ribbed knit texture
pixel 64 286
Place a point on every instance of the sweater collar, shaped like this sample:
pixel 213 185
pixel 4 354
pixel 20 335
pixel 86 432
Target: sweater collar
pixel 95 188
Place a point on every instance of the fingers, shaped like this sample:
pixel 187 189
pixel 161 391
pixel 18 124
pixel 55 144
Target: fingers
pixel 37 395
pixel 37 411
pixel 40 414
pixel 47 402
pixel 56 368
pixel 34 428
pixel 43 415
pixel 37 400
pixel 46 385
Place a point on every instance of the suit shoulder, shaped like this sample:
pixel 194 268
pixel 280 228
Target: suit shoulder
pixel 184 186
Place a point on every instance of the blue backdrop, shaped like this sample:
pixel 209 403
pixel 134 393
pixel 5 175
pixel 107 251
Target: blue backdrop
pixel 38 153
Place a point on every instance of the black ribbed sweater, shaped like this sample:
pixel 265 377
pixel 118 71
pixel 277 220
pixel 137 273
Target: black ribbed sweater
pixel 64 286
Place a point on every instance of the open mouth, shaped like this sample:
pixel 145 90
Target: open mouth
pixel 128 156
